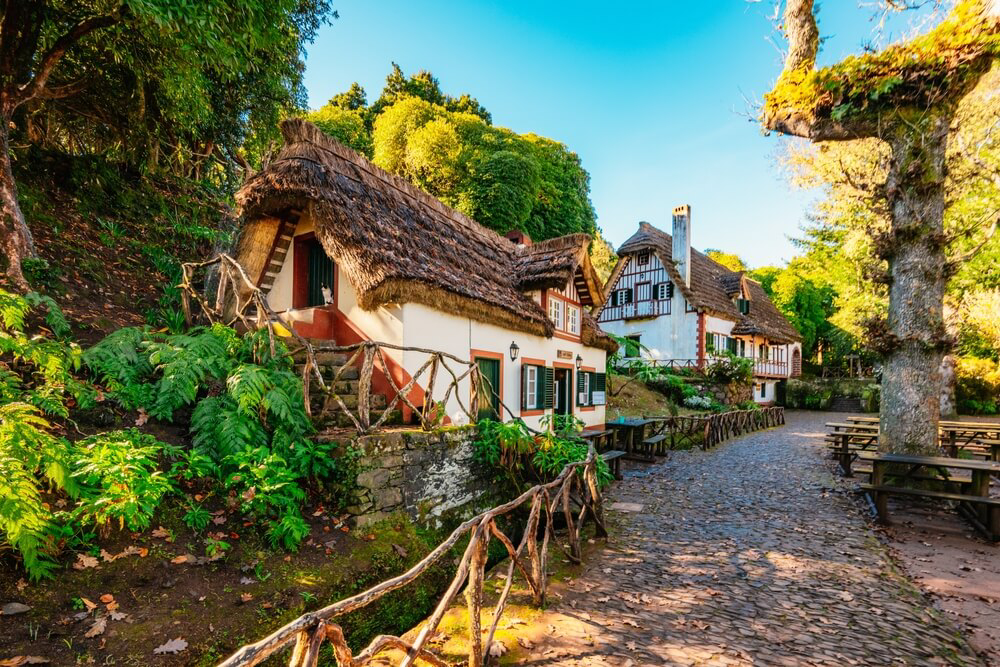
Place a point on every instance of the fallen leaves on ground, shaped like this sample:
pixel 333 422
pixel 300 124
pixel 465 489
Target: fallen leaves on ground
pixel 19 660
pixel 98 628
pixel 12 608
pixel 172 646
pixel 83 561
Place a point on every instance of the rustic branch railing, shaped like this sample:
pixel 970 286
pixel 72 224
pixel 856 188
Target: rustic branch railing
pixel 708 430
pixel 309 631
pixel 238 301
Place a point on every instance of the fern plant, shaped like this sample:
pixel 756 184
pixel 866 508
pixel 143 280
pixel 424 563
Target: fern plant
pixel 29 457
pixel 119 472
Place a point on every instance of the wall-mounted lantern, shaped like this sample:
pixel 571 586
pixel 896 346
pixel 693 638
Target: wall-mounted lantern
pixel 579 362
pixel 514 349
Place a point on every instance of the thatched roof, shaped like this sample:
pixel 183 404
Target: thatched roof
pixel 713 287
pixel 398 244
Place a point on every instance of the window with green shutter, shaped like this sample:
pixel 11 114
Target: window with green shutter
pixel 709 342
pixel 584 388
pixel 532 387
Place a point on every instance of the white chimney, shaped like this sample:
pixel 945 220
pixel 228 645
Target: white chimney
pixel 681 250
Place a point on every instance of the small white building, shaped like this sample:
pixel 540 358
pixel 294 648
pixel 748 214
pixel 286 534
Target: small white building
pixel 682 308
pixel 347 252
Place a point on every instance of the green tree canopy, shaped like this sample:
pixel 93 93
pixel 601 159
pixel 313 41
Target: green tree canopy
pixel 730 260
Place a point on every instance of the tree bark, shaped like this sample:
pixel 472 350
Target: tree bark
pixel 915 251
pixel 15 237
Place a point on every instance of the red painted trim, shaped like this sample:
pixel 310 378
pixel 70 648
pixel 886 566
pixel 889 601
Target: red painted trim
pixel 586 408
pixel 644 282
pixel 560 364
pixel 532 413
pixel 588 369
pixel 346 332
pixel 565 336
pixel 300 270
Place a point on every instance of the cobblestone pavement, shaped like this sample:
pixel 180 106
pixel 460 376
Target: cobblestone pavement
pixel 745 555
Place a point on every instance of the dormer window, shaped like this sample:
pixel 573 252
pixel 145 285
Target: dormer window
pixel 573 319
pixel 556 313
pixel 743 305
pixel 643 258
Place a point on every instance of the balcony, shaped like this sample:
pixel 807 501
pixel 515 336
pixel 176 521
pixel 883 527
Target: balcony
pixel 765 368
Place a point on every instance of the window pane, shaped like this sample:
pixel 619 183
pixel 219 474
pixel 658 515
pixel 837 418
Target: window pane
pixel 573 316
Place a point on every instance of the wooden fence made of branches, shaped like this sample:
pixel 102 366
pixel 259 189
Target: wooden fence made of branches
pixel 220 291
pixel 708 430
pixel 576 485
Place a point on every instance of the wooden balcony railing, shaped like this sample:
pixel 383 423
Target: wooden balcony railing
pixel 770 368
pixel 577 481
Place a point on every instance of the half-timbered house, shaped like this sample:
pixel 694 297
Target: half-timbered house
pixel 348 252
pixel 680 308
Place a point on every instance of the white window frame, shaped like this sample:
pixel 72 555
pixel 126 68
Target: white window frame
pixel 573 319
pixel 585 375
pixel 556 312
pixel 619 293
pixel 642 259
pixel 531 388
pixel 662 291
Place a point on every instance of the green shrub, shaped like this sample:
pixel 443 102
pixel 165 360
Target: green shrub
pixel 521 457
pixel 121 481
pixel 977 386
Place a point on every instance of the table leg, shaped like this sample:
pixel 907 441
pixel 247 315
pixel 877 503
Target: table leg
pixel 845 455
pixel 981 487
pixel 881 500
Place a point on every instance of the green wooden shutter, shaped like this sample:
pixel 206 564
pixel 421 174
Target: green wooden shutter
pixel 598 383
pixel 548 388
pixel 709 343
pixel 731 345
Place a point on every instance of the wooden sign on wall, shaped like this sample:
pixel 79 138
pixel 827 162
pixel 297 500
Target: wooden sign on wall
pixel 564 354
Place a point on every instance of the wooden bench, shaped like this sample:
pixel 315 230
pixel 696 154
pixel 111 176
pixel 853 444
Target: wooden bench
pixel 974 501
pixel 656 444
pixel 614 461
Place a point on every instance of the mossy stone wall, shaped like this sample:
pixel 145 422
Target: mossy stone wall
pixel 429 476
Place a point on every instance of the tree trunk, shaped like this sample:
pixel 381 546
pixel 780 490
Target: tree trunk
pixel 15 237
pixel 915 250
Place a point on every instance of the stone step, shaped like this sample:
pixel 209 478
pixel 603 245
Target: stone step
pixel 845 404
pixel 378 401
pixel 329 371
pixel 328 426
pixel 323 357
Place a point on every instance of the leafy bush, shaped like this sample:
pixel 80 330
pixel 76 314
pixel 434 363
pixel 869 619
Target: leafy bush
pixel 30 456
pixel 698 402
pixel 977 386
pixel 729 368
pixel 521 457
pixel 119 472
pixel 248 419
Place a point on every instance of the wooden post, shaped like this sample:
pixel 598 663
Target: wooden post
pixel 474 595
pixel 845 454
pixel 365 387
pixel 881 499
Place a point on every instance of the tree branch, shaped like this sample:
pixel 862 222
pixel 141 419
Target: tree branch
pixel 956 262
pixel 803 35
pixel 58 49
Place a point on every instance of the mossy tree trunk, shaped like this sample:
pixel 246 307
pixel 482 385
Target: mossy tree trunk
pixel 906 97
pixel 15 237
pixel 915 251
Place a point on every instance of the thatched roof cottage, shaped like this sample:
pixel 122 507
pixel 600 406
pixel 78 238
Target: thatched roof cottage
pixel 684 309
pixel 347 251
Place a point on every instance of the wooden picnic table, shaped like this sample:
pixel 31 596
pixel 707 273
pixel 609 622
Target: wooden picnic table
pixel 631 432
pixel 974 499
pixel 602 438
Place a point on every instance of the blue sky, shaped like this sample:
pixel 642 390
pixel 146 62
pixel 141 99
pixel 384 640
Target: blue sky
pixel 651 95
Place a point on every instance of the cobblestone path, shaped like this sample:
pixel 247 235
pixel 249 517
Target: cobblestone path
pixel 744 555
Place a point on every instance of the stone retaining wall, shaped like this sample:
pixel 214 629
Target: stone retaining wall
pixel 733 393
pixel 426 475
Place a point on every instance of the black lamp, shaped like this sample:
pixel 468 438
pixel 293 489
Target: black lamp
pixel 514 349
pixel 579 362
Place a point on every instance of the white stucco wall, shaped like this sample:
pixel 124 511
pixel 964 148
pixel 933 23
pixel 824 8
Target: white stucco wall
pixel 673 336
pixel 432 329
